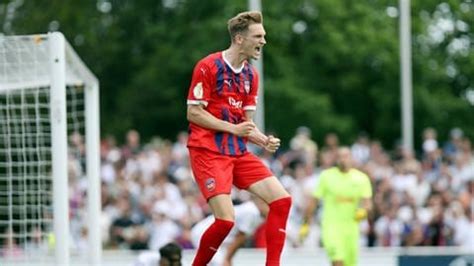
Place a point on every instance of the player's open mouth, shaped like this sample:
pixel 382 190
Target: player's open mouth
pixel 258 49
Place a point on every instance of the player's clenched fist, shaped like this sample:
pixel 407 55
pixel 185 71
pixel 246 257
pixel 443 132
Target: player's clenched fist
pixel 243 129
pixel 272 144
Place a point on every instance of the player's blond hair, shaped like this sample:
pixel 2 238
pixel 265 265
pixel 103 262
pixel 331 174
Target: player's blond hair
pixel 240 23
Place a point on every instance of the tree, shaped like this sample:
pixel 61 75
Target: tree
pixel 331 65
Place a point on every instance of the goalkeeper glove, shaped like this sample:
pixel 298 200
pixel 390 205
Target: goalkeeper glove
pixel 303 232
pixel 360 214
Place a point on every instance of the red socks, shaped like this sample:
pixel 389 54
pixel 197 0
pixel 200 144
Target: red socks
pixel 276 229
pixel 275 234
pixel 211 240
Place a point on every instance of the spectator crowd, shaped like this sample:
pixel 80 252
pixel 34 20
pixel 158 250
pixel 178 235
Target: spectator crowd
pixel 149 197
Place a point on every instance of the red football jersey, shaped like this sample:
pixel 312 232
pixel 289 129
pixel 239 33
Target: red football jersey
pixel 225 93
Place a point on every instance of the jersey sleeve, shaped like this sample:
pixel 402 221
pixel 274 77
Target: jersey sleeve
pixel 320 188
pixel 366 191
pixel 250 101
pixel 201 85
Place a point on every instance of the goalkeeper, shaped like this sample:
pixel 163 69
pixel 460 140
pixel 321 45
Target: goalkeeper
pixel 346 193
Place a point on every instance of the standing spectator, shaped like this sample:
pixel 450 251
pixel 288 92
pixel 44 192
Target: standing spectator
pixel 304 147
pixel 453 146
pixel 331 145
pixel 111 156
pixel 465 231
pixel 420 190
pixel 415 237
pixel 132 146
pixel 430 143
pixel 162 228
pixel 462 170
pixel 179 152
pixel 437 229
pixel 361 150
pixel 389 228
pixel 380 166
pixel 122 227
pixel 403 179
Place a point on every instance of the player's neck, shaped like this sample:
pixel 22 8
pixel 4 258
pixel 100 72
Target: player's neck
pixel 233 57
pixel 343 169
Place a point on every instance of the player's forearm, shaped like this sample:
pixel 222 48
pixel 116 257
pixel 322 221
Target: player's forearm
pixel 202 118
pixel 367 205
pixel 256 137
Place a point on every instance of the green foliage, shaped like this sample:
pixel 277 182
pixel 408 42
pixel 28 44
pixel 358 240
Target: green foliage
pixel 331 65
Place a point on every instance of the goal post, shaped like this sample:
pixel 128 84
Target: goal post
pixel 59 169
pixel 47 97
pixel 92 132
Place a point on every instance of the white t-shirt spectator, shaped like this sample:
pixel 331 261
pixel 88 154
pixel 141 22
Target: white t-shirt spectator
pixel 420 192
pixel 464 232
pixel 430 145
pixel 388 231
pixel 361 153
pixel 403 182
pixel 149 162
pixel 163 229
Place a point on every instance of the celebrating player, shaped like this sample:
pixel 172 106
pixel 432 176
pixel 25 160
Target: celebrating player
pixel 346 193
pixel 221 102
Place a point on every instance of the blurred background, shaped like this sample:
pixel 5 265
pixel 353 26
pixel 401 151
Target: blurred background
pixel 332 78
pixel 332 65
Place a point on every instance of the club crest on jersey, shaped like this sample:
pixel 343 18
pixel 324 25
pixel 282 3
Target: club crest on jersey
pixel 210 184
pixel 247 86
pixel 198 91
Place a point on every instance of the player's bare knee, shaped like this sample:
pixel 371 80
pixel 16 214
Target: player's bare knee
pixel 230 218
pixel 224 213
pixel 222 207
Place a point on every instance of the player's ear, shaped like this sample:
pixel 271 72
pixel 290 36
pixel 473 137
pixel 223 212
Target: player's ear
pixel 239 38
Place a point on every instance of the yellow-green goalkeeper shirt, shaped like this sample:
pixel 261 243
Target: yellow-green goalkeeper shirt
pixel 341 194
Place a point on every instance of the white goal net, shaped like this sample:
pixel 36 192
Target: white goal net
pixel 49 154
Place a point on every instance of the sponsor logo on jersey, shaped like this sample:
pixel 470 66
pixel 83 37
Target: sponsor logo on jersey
pixel 234 103
pixel 342 199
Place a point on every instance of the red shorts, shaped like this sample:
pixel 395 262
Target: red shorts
pixel 215 173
